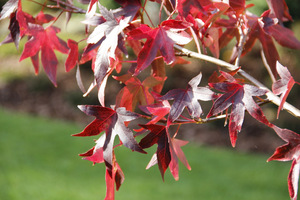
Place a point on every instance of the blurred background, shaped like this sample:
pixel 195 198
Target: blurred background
pixel 39 157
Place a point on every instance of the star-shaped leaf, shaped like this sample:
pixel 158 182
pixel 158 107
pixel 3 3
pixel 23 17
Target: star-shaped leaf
pixel 162 38
pixel 46 41
pixel 159 136
pixel 168 149
pixel 240 98
pixel 113 123
pixel 188 98
pixel 287 152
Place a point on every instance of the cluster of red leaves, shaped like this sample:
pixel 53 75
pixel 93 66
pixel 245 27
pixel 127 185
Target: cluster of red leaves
pixel 211 24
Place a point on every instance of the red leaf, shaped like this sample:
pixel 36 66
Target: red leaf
pixel 162 38
pixel 240 98
pixel 136 92
pixel 188 98
pixel 258 32
pixel 287 152
pixel 113 123
pixel 168 150
pixel 238 6
pixel 159 136
pixel 284 36
pixel 176 152
pixel 46 41
pixel 158 110
pixel 95 154
pixel 42 18
pixel 184 7
pixel 279 9
pixel 72 59
pixel 282 86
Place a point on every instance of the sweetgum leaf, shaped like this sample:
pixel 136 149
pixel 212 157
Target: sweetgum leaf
pixel 108 36
pixel 46 41
pixel 162 38
pixel 159 136
pixel 240 98
pixel 113 123
pixel 168 149
pixel 287 152
pixel 188 98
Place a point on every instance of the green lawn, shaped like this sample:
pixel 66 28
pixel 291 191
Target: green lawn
pixel 39 162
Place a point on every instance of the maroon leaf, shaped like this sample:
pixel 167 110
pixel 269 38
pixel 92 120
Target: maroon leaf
pixel 162 38
pixel 283 86
pixel 159 136
pixel 287 152
pixel 284 36
pixel 279 9
pixel 240 98
pixel 168 149
pixel 112 122
pixel 188 98
pixel 72 59
pixel 263 28
pixel 14 29
pixel 184 7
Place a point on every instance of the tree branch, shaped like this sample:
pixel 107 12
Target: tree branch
pixel 270 95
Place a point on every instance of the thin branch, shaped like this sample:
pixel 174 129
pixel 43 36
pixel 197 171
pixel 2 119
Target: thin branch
pixel 267 66
pixel 240 44
pixel 69 7
pixel 270 95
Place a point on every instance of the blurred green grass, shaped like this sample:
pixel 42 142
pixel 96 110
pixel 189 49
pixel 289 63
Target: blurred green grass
pixel 39 161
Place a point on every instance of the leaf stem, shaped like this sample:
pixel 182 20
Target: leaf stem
pixel 270 95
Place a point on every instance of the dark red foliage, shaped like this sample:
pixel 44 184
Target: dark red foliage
pixel 287 152
pixel 240 97
pixel 138 49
